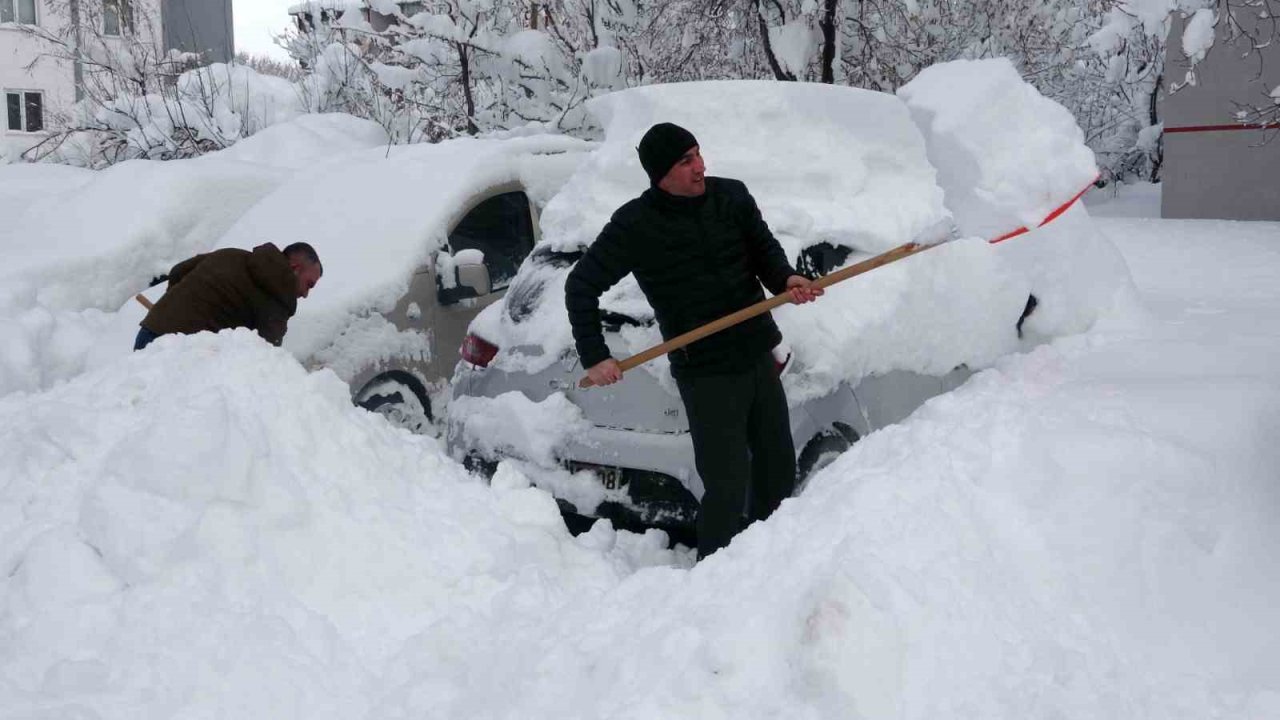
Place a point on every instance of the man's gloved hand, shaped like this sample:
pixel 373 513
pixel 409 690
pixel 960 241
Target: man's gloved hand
pixel 802 290
pixel 605 372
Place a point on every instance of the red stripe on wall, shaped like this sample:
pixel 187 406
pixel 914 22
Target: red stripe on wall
pixel 1222 128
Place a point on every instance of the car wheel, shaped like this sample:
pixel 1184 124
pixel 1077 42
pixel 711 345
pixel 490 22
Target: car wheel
pixel 821 450
pixel 401 398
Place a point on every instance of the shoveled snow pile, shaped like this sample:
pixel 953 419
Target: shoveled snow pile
pixel 1006 155
pixel 1008 158
pixel 205 529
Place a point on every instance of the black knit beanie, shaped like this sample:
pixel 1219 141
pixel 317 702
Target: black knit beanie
pixel 661 147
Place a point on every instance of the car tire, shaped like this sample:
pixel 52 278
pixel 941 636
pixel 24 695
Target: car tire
pixel 821 450
pixel 401 398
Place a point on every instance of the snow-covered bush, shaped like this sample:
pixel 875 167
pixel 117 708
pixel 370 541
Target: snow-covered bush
pixel 138 100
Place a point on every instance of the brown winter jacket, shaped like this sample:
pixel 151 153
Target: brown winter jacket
pixel 228 289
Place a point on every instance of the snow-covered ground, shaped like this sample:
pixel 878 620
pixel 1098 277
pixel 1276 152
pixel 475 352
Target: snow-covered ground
pixel 1083 531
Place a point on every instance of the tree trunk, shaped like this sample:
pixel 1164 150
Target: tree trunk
pixel 778 72
pixel 465 63
pixel 1154 114
pixel 828 25
pixel 77 65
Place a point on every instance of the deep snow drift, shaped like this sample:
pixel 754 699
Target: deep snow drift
pixel 1087 530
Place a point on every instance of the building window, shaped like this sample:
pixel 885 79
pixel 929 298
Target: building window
pixel 25 110
pixel 117 17
pixel 19 11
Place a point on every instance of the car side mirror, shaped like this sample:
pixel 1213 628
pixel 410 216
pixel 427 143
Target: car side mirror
pixel 474 277
pixel 462 276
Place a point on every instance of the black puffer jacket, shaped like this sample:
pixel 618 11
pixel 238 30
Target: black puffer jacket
pixel 696 259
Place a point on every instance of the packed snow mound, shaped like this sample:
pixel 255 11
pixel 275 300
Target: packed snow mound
pixel 824 163
pixel 79 243
pixel 97 242
pixel 1006 155
pixel 24 183
pixel 231 537
pixel 306 140
pixel 380 215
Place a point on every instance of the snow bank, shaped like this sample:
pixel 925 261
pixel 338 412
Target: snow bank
pixel 79 252
pixel 231 536
pixel 307 140
pixel 97 243
pixel 204 529
pixel 1006 156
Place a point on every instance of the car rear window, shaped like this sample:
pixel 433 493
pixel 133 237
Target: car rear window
pixel 527 289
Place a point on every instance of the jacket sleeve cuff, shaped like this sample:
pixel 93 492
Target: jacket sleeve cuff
pixel 593 354
pixel 778 283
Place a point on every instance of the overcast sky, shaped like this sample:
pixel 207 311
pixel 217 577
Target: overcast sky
pixel 256 21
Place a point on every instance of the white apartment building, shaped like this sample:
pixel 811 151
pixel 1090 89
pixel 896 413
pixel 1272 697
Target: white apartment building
pixel 37 87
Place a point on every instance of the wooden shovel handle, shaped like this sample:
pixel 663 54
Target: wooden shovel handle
pixel 764 306
pixel 143 301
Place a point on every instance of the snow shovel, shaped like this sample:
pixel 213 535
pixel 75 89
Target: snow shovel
pixel 764 306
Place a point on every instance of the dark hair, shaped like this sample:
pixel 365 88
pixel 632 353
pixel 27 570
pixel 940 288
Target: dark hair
pixel 304 250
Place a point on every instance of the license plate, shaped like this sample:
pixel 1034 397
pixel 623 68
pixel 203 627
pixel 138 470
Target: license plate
pixel 610 477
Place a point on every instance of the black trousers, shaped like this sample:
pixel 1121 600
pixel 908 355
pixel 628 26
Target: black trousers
pixel 742 448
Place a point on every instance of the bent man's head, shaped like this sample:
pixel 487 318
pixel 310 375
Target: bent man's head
pixel 306 266
pixel 671 157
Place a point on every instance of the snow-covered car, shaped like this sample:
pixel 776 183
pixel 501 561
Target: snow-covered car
pixel 840 175
pixel 415 242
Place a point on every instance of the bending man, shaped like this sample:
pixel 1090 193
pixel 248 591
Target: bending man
pixel 233 288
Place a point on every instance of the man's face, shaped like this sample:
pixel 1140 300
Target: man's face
pixel 308 275
pixel 687 178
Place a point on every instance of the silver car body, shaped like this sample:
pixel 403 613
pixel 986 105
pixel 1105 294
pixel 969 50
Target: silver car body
pixel 640 423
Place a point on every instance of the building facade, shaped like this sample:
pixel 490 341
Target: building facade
pixel 1216 163
pixel 38 86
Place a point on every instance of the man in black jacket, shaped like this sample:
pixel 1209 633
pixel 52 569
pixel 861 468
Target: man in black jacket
pixel 700 250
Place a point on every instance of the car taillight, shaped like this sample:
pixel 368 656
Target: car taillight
pixel 478 351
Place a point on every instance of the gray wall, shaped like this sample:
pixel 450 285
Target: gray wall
pixel 202 26
pixel 1219 173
